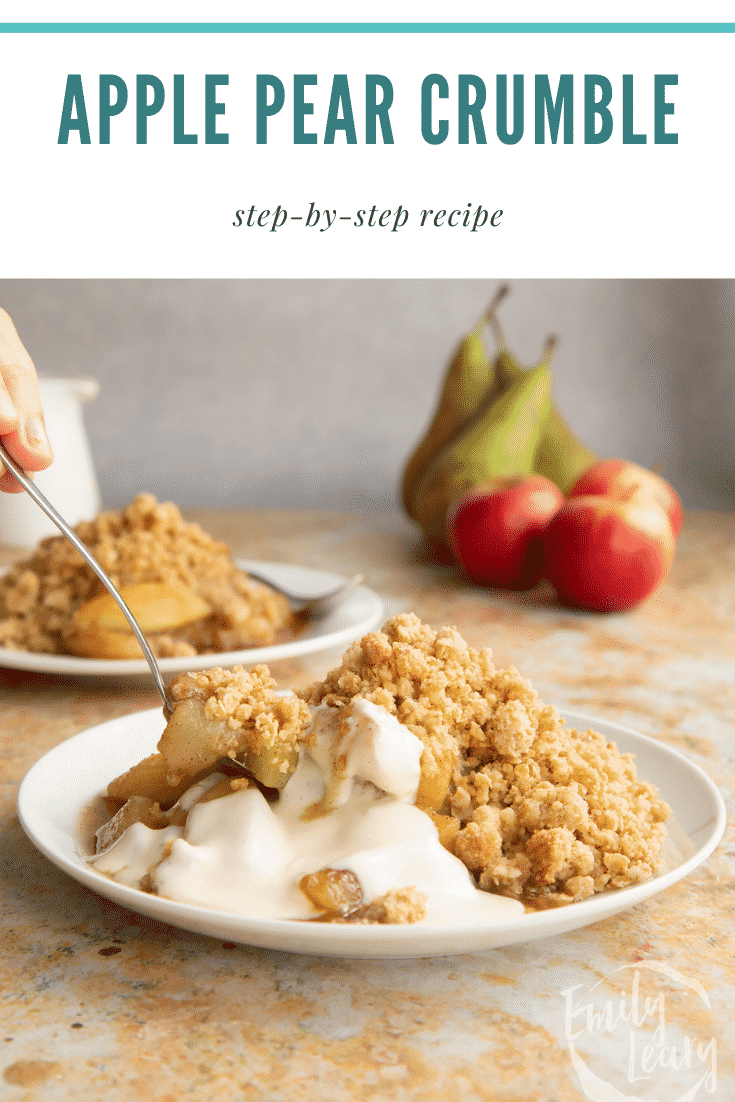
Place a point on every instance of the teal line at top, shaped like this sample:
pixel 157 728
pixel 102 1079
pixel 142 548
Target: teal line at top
pixel 367 28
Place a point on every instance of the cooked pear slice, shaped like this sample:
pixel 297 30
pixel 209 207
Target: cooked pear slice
pixel 194 741
pixel 93 643
pixel 334 891
pixel 138 809
pixel 155 605
pixel 148 778
pixel 99 628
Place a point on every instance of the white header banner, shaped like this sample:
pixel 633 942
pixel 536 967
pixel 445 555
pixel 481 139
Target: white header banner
pixel 439 150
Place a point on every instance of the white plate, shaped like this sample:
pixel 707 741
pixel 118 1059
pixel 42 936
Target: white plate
pixel 360 612
pixel 49 812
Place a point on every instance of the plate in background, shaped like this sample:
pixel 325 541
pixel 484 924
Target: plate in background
pixel 49 812
pixel 361 611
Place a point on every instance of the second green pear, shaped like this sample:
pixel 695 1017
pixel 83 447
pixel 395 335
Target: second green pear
pixel 560 457
pixel 500 441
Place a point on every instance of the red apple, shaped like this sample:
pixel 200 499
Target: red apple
pixel 620 479
pixel 606 555
pixel 495 529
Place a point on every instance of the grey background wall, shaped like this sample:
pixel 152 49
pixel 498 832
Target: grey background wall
pixel 311 393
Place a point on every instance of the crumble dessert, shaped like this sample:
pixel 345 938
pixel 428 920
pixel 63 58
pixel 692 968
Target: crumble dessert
pixel 47 601
pixel 414 774
pixel 533 809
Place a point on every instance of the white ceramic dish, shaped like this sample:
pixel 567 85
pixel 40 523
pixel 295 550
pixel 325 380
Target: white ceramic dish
pixel 66 779
pixel 360 612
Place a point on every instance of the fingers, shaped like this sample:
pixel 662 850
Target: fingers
pixel 9 483
pixel 22 427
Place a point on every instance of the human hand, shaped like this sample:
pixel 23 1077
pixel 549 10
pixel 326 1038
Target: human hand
pixel 22 429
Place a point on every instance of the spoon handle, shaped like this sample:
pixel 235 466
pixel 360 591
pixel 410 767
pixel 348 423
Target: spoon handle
pixel 42 501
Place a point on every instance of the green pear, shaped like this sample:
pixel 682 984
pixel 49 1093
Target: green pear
pixel 466 384
pixel 560 457
pixel 500 441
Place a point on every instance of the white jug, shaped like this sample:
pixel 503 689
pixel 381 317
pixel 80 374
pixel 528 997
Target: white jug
pixel 69 483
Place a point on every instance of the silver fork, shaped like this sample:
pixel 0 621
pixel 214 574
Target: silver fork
pixel 42 501
pixel 315 605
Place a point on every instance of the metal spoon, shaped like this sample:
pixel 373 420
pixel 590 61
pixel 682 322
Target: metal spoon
pixel 51 513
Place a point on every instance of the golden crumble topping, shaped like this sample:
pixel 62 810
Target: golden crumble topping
pixel 148 541
pixel 533 809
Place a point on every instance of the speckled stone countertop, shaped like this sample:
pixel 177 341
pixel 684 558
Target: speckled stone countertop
pixel 98 1002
